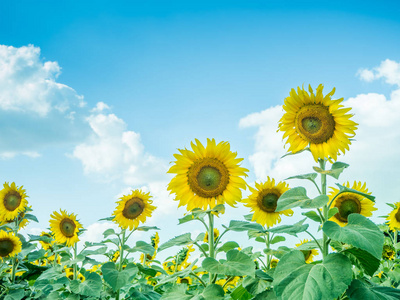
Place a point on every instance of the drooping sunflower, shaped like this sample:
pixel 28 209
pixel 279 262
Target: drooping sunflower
pixel 207 176
pixel 216 235
pixel 64 227
pixel 10 245
pixel 388 252
pixel 349 203
pixel 263 202
pixel 308 254
pixel 394 218
pixel 132 209
pixel 316 121
pixel 12 201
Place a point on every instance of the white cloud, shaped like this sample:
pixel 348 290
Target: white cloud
pixel 373 156
pixel 389 70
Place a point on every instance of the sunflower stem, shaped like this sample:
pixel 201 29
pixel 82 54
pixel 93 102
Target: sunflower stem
pixel 14 259
pixel 395 242
pixel 121 257
pixel 201 249
pixel 325 243
pixel 211 240
pixel 268 244
pixel 75 255
pixel 198 278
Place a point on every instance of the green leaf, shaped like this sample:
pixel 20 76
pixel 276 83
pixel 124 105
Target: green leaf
pixel 213 291
pixel 35 255
pixel 237 264
pixel 278 253
pixel 109 232
pixel 297 197
pixel 255 285
pixel 107 219
pixel 363 259
pixel 91 287
pixel 143 247
pixel 185 219
pixel 359 232
pixel 290 229
pixel 15 295
pixel 312 215
pixel 344 189
pixel 359 290
pixel 240 293
pixel 115 278
pixel 147 228
pixel 248 217
pixel 228 246
pixel 244 226
pixel 31 217
pixel 295 279
pixel 335 171
pixel 180 240
pixel 220 209
pixel 333 211
pixel 266 295
pixel 309 176
pixel 52 273
pixel 98 251
pixel 176 292
pixel 277 239
pixel 298 152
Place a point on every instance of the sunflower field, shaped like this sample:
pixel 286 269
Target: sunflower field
pixel 349 256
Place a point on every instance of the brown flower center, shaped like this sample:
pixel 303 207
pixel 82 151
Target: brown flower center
pixel 12 200
pixel 268 200
pixel 6 247
pixel 314 123
pixel 348 205
pixel 133 208
pixel 185 280
pixel 208 177
pixel 67 227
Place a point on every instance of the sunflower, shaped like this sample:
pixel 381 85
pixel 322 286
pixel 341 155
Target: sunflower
pixel 207 176
pixel 115 256
pixel 349 203
pixel 216 235
pixel 308 254
pixel 65 228
pixel 47 244
pixel 273 263
pixel 169 267
pixel 388 252
pixel 132 209
pixel 394 218
pixel 10 245
pixel 149 258
pixel 316 121
pixel 69 273
pixel 186 280
pixel 183 256
pixel 155 240
pixel 12 201
pixel 264 200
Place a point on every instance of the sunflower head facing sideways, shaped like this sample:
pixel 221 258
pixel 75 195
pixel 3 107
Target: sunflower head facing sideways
pixel 48 242
pixel 394 217
pixel 349 203
pixel 263 202
pixel 316 121
pixel 10 245
pixel 308 254
pixel 132 209
pixel 64 228
pixel 12 201
pixel 207 176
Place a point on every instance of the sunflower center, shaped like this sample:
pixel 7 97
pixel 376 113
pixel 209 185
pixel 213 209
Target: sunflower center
pixel 12 200
pixel 314 123
pixel 184 280
pixel 208 177
pixel 133 208
pixel 397 215
pixel 268 201
pixel 6 247
pixel 67 227
pixel 346 207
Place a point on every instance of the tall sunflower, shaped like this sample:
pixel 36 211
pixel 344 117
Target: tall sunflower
pixel 308 254
pixel 264 200
pixel 10 245
pixel 394 217
pixel 207 176
pixel 64 228
pixel 132 209
pixel 12 201
pixel 349 203
pixel 316 121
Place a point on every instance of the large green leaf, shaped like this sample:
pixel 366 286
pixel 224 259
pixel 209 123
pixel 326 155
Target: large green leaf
pixel 297 197
pixel 297 280
pixel 213 291
pixel 237 264
pixel 117 279
pixel 244 226
pixel 290 229
pixel 180 240
pixel 240 293
pixel 363 259
pixel 91 287
pixel 359 232
pixel 359 290
pixel 142 247
pixel 309 176
pixel 345 189
pixel 176 292
pixel 15 295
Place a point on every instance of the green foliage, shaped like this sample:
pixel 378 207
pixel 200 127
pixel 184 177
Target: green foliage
pixel 297 197
pixel 295 279
pixel 360 290
pixel 117 279
pixel 335 171
pixel 91 287
pixel 180 240
pixel 237 264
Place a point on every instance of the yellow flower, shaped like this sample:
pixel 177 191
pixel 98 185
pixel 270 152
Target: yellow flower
pixel 316 121
pixel 149 258
pixel 22 222
pixel 132 209
pixel 349 203
pixel 380 274
pixel 115 256
pixel 69 273
pixel 12 201
pixel 183 256
pixel 95 268
pixel 155 240
pixel 169 267
pixel 264 200
pixel 47 245
pixel 389 252
pixel 17 274
pixel 186 280
pixel 228 285
pixel 65 228
pixel 207 176
pixel 10 245
pixel 216 235
pixel 273 263
pixel 394 218
pixel 308 254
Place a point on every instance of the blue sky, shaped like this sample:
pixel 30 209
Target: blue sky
pixel 175 71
